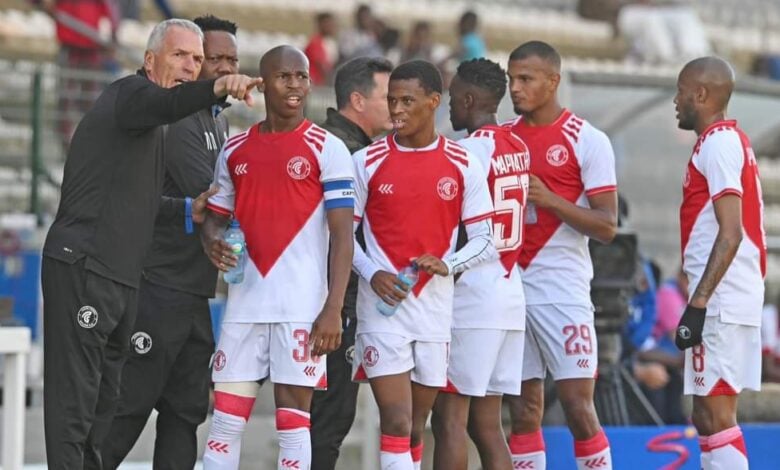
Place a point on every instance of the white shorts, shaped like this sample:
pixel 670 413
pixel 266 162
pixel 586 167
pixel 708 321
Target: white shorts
pixel 252 351
pixel 485 362
pixel 728 360
pixel 381 354
pixel 560 338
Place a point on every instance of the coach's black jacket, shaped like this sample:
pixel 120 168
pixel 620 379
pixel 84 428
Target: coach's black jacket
pixel 176 259
pixel 114 174
pixel 355 139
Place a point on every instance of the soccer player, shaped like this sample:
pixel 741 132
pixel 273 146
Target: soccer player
pixel 572 196
pixel 724 256
pixel 412 190
pixel 362 114
pixel 489 308
pixel 290 185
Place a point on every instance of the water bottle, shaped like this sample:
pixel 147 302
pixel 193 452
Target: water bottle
pixel 530 213
pixel 235 238
pixel 408 276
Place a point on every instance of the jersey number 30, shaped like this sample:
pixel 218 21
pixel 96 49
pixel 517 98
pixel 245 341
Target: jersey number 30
pixel 509 198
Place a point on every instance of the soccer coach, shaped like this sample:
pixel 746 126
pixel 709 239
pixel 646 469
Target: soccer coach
pixel 92 257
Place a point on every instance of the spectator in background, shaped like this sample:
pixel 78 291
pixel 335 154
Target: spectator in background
pixel 420 44
pixel 659 364
pixel 389 39
pixel 471 45
pixel 662 31
pixel 770 343
pixel 361 41
pixel 322 49
pixel 131 9
pixel 82 48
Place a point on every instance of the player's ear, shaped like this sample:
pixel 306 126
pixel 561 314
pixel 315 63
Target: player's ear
pixel 148 61
pixel 357 101
pixel 555 80
pixel 468 100
pixel 701 94
pixel 435 99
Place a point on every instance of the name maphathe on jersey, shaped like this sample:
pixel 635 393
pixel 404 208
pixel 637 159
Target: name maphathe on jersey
pixel 511 162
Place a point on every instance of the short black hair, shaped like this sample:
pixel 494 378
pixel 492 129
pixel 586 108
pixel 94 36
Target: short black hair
pixel 484 74
pixel 212 23
pixel 358 75
pixel 424 71
pixel 324 16
pixel 468 16
pixel 539 49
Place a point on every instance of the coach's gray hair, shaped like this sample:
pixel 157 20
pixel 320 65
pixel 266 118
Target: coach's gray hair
pixel 158 33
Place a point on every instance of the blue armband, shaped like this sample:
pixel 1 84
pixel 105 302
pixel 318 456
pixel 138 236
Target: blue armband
pixel 188 228
pixel 338 194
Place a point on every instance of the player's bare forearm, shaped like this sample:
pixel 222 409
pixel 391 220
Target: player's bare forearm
pixel 728 212
pixel 598 222
pixel 341 251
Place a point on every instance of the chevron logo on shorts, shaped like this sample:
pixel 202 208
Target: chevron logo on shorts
pixel 523 464
pixel 287 463
pixel 309 371
pixel 599 462
pixel 583 363
pixel 699 381
pixel 217 446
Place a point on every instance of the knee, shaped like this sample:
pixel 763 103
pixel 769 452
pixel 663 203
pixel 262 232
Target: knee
pixel 396 421
pixel 445 425
pixel 481 432
pixel 526 414
pixel 581 417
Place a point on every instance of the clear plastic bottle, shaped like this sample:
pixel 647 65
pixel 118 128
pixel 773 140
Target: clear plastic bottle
pixel 235 238
pixel 530 213
pixel 408 276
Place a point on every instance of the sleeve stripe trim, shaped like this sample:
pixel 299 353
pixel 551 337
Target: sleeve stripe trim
pixel 600 189
pixel 355 218
pixel 477 218
pixel 726 192
pixel 219 210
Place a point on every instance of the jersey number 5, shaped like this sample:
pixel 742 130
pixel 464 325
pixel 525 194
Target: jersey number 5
pixel 509 207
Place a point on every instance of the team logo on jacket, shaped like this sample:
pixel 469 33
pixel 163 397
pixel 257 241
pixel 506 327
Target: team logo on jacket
pixel 298 168
pixel 447 188
pixel 141 342
pixel 557 155
pixel 87 317
pixel 370 356
pixel 687 178
pixel 219 360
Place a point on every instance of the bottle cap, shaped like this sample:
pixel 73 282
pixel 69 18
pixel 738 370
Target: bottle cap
pixel 234 224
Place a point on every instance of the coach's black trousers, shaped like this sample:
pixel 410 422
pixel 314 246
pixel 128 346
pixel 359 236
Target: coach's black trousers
pixel 333 410
pixel 86 330
pixel 168 370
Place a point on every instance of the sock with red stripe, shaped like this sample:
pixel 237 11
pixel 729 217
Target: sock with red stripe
pixel 395 453
pixel 728 450
pixel 292 426
pixel 706 453
pixel 528 451
pixel 223 446
pixel 593 453
pixel 417 453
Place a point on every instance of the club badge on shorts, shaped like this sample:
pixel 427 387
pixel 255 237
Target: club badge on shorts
pixel 219 360
pixel 87 317
pixel 141 341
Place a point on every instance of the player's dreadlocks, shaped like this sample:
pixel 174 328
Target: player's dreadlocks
pixel 485 74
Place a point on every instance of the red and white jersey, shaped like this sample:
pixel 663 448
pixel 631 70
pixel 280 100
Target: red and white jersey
pixel 411 202
pixel 575 160
pixel 723 163
pixel 277 185
pixel 490 295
